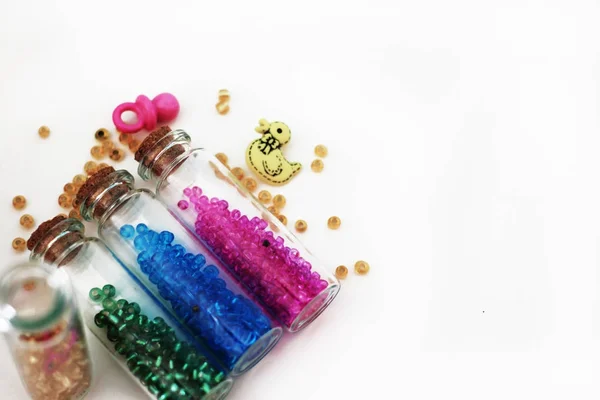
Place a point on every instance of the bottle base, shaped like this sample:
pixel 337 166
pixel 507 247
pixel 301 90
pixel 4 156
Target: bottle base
pixel 313 309
pixel 257 351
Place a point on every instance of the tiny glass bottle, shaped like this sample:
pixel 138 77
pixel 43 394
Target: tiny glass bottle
pixel 42 326
pixel 178 270
pixel 257 248
pixel 145 340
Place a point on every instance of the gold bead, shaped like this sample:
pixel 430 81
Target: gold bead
pixel 117 155
pixel 97 152
pixel 102 134
pixel 222 107
pixel 273 210
pixel 279 201
pixel 238 173
pixel 19 244
pixel 102 166
pixel 134 145
pixel 282 218
pixel 317 165
pixel 75 214
pixel 125 138
pixel 321 150
pixel 301 225
pixel 107 146
pixel 249 183
pixel 222 157
pixel 334 222
pixel 27 221
pixel 44 131
pixel 341 272
pixel 19 202
pixel 362 267
pixel 90 167
pixel 79 179
pixel 69 188
pixel 65 200
pixel 63 215
pixel 223 95
pixel 264 196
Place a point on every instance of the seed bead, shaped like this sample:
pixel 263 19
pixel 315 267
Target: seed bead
pixel 341 272
pixel 19 202
pixel 69 188
pixel 224 95
pixel 102 166
pixel 222 107
pixel 107 146
pixel 74 213
pixel 79 179
pixel 334 222
pixel 238 173
pixel 134 145
pixel 279 201
pixel 65 200
pixel 44 131
pixel 317 165
pixel 125 138
pixel 301 225
pixel 282 218
pixel 222 157
pixel 321 150
pixel 19 244
pixel 117 154
pixel 102 134
pixel 249 183
pixel 90 167
pixel 362 267
pixel 97 152
pixel 273 210
pixel 264 196
pixel 27 221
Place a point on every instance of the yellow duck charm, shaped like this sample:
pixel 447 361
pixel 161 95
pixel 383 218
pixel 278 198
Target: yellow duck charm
pixel 264 155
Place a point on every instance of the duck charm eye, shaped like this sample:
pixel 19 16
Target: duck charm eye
pixel 264 155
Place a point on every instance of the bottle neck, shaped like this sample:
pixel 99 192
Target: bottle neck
pixel 60 243
pixel 105 195
pixel 162 157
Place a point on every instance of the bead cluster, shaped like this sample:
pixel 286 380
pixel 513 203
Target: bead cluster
pixel 228 323
pixel 167 366
pixel 223 105
pixel 19 202
pixel 277 274
pixel 317 164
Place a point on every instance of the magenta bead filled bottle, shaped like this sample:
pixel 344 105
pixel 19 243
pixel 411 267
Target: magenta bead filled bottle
pixel 258 249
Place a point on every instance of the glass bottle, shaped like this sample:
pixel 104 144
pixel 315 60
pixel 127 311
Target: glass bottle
pixel 259 250
pixel 140 334
pixel 178 270
pixel 42 326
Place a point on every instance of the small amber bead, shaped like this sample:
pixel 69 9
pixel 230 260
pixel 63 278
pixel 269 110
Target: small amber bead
pixel 238 173
pixel 75 214
pixel 341 272
pixel 65 200
pixel 102 134
pixel 362 267
pixel 264 196
pixel 79 179
pixel 125 138
pixel 19 202
pixel 134 145
pixel 224 95
pixel 282 218
pixel 27 221
pixel 249 183
pixel 107 146
pixel 44 131
pixel 321 150
pixel 63 215
pixel 69 188
pixel 19 244
pixel 97 152
pixel 90 167
pixel 301 225
pixel 279 201
pixel 317 165
pixel 222 157
pixel 334 222
pixel 102 166
pixel 273 210
pixel 117 154
pixel 222 107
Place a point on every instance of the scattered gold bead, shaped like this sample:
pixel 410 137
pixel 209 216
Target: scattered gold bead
pixel 74 202
pixel 238 173
pixel 90 167
pixel 102 166
pixel 362 267
pixel 301 225
pixel 75 214
pixel 107 146
pixel 102 134
pixel 125 138
pixel 134 145
pixel 341 272
pixel 97 152
pixel 222 108
pixel 279 201
pixel 222 157
pixel 63 215
pixel 264 196
pixel 249 183
pixel 44 131
pixel 69 188
pixel 19 244
pixel 19 202
pixel 334 222
pixel 117 155
pixel 321 150
pixel 273 210
pixel 317 165
pixel 224 95
pixel 282 218
pixel 27 221
pixel 79 179
pixel 65 200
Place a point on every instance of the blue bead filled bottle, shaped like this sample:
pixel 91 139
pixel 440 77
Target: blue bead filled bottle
pixel 178 270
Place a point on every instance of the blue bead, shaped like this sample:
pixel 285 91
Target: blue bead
pixel 211 271
pixel 127 231
pixel 166 237
pixel 200 260
pixel 179 250
pixel 140 243
pixel 141 228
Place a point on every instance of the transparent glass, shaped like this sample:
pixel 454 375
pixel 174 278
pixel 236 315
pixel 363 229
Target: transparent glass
pixel 180 272
pixel 129 322
pixel 39 319
pixel 257 248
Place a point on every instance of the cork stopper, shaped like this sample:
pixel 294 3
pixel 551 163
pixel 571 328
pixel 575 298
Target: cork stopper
pixel 48 231
pixel 149 152
pixel 92 191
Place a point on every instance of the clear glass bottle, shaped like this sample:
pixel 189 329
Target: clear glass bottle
pixel 259 250
pixel 42 326
pixel 178 270
pixel 143 337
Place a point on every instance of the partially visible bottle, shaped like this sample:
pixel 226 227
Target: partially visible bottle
pixel 145 340
pixel 42 326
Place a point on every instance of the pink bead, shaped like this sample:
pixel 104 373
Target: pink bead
pixel 163 108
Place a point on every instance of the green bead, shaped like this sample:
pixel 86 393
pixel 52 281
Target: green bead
pixel 174 388
pixel 96 295
pixel 112 334
pixel 158 321
pixel 121 347
pixel 113 319
pixel 219 377
pixel 100 320
pixel 153 389
pixel 206 388
pixel 109 304
pixel 122 303
pixel 109 291
pixel 133 308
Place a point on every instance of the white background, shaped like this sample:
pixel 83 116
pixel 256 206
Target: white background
pixel 463 138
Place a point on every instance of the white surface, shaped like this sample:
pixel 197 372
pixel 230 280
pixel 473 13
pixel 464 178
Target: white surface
pixel 463 140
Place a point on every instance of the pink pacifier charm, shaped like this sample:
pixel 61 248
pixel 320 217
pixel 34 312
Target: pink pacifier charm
pixel 163 108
